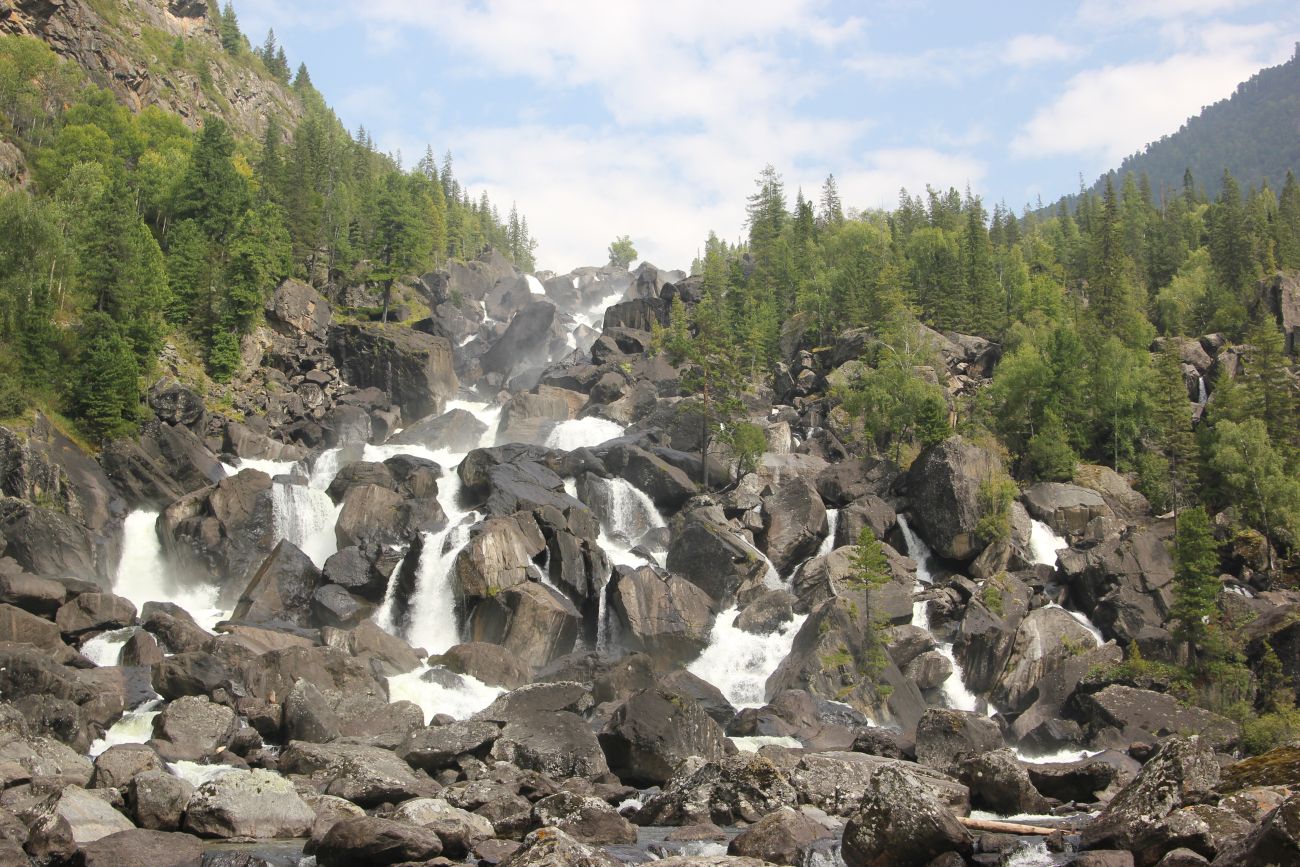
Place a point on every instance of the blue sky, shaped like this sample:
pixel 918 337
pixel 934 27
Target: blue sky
pixel 652 119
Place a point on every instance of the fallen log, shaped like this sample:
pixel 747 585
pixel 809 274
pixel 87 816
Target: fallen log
pixel 995 827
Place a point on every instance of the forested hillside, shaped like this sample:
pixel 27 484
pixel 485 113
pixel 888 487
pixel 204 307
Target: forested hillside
pixel 1255 134
pixel 130 229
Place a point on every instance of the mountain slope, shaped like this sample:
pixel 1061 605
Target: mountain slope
pixel 158 52
pixel 1255 134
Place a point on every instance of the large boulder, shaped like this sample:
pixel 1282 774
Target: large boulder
pixel 785 836
pixel 943 487
pixel 998 782
pixel 1046 639
pixel 835 781
pixel 295 308
pixel 551 847
pixel 525 340
pixel 794 523
pixel 159 799
pixel 945 738
pixel 739 788
pixel 436 747
pixel 365 775
pixel 46 542
pixel 558 744
pixel 661 614
pixel 68 819
pixel 221 534
pixel 653 731
pixel 459 830
pixel 1125 585
pixel 490 663
pixel 587 819
pixel 706 553
pixel 497 557
pixel 281 589
pixel 368 841
pixel 257 803
pixel 899 824
pixel 456 430
pixel 1182 774
pixel 192 727
pixel 417 370
pixel 1067 509
pixel 1277 838
pixel 531 620
pixel 1144 715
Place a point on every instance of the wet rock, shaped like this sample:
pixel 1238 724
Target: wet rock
pixel 456 430
pixel 661 614
pixel 785 836
pixel 174 627
pixel 352 570
pixel 490 663
pixel 705 553
pixel 248 804
pixel 281 589
pixel 367 841
pixel 223 532
pixel 45 542
pixel 1067 509
pixel 159 799
pixel 999 783
pixel 945 738
pixel 667 485
pixel 586 819
pixel 943 488
pixel 1183 773
pixel 141 649
pixel 359 473
pixel 899 823
pixel 737 788
pixel 653 731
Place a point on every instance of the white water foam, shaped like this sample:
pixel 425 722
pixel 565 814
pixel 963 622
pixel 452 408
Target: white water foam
pixel 833 523
pixel 135 727
pixel 196 774
pixel 105 648
pixel 534 285
pixel 757 742
pixel 1044 543
pixel 630 515
pixel 142 574
pixel 1064 754
pixel 954 690
pixel 739 663
pixel 305 516
pixel 460 702
pixel 580 433
pixel 270 467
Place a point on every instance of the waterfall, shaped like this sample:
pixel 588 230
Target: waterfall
pixel 270 467
pixel 833 523
pixel 105 648
pixel 305 515
pixel 134 727
pixel 457 695
pixel 954 690
pixel 1201 394
pixel 143 575
pixel 629 515
pixel 1044 543
pixel 739 663
pixel 1082 620
pixel 580 433
pixel 534 285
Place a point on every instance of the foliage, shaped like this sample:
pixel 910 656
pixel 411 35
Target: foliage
pixel 622 253
pixel 1196 576
pixel 996 494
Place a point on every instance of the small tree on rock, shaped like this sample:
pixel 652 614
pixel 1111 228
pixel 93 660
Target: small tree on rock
pixel 622 253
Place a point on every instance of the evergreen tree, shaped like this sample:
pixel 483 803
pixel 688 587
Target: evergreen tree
pixel 228 27
pixel 766 211
pixel 106 392
pixel 1254 476
pixel 213 193
pixel 832 211
pixel 622 252
pixel 1288 224
pixel 1196 576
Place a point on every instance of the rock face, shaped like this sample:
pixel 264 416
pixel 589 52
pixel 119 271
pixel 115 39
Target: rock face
pixel 943 487
pixel 416 370
pixel 783 837
pixel 365 840
pixel 221 532
pixel 899 824
pixel 794 523
pixel 661 614
pixel 653 731
pixel 281 589
pixel 1141 714
pixel 738 788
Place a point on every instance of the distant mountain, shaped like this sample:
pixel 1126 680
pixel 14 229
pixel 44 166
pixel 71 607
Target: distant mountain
pixel 1255 134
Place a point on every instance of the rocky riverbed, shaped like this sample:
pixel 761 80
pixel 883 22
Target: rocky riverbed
pixel 453 591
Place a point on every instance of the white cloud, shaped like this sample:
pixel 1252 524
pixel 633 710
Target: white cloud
pixel 1114 13
pixel 1108 113
pixel 1032 49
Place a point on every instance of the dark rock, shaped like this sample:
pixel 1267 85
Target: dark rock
pixel 456 431
pixel 281 589
pixel 738 788
pixel 559 745
pixel 999 783
pixel 40 596
pixel 98 611
pixel 365 775
pixel 416 369
pixel 899 824
pixel 785 836
pixel 794 523
pixel 158 800
pixel 702 693
pixel 45 542
pixel 1275 841
pixel 117 765
pixel 490 663
pixel 1183 773
pixel 142 848
pixel 653 731
pixel 192 727
pixel 359 473
pixel 943 487
pixel 174 628
pixel 945 738
pixel 437 747
pixel 367 841
pixel 708 555
pixel 530 620
pixel 586 819
pixel 661 614
pixel 1143 714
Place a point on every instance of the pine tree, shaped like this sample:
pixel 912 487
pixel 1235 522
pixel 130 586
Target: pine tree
pixel 228 26
pixel 766 211
pixel 213 193
pixel 1288 224
pixel 832 211
pixel 106 393
pixel 1196 576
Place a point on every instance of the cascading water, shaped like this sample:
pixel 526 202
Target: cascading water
pixel 105 648
pixel 305 515
pixel 629 515
pixel 954 690
pixel 134 727
pixel 828 544
pixel 1201 394
pixel 466 696
pixel 581 433
pixel 739 663
pixel 1044 547
pixel 142 574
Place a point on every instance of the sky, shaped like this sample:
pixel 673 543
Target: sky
pixel 653 118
